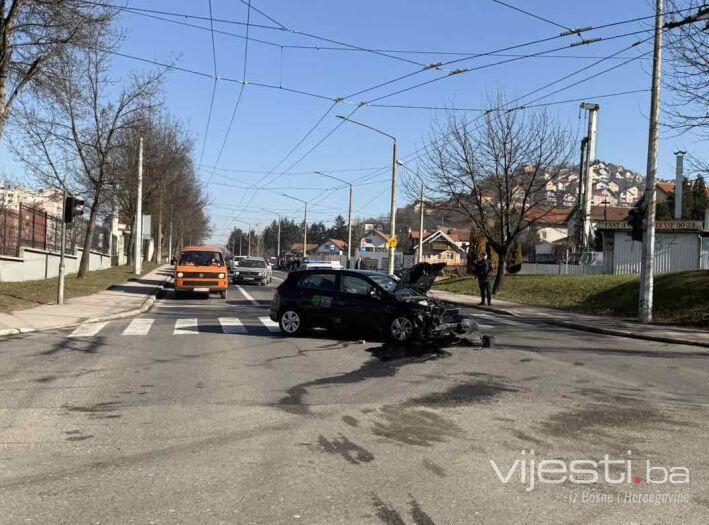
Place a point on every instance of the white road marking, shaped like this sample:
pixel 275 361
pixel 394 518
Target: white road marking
pixel 232 325
pixel 88 330
pixel 185 326
pixel 160 305
pixel 248 296
pixel 139 326
pixel 270 324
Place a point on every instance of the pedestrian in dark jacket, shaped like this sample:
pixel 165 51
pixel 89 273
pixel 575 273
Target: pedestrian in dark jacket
pixel 483 269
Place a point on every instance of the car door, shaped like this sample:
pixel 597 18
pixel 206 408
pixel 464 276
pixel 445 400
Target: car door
pixel 360 301
pixel 317 291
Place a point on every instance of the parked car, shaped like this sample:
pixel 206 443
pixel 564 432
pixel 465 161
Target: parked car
pixel 370 302
pixel 252 269
pixel 201 269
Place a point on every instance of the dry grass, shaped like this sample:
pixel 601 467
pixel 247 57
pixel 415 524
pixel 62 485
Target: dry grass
pixel 681 298
pixel 18 296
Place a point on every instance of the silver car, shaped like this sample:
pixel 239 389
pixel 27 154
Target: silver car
pixel 252 269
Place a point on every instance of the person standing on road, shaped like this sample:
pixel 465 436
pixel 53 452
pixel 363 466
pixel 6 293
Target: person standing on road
pixel 483 269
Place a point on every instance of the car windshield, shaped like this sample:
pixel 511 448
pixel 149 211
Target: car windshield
pixel 199 258
pixel 384 281
pixel 252 263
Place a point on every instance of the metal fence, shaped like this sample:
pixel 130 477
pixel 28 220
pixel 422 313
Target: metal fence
pixel 9 234
pixel 33 228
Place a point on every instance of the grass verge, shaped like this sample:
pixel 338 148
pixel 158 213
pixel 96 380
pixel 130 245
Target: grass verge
pixel 681 298
pixel 18 296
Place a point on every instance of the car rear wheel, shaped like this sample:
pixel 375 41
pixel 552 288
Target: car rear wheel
pixel 401 329
pixel 290 322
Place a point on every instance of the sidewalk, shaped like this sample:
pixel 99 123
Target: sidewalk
pixel 123 300
pixel 584 322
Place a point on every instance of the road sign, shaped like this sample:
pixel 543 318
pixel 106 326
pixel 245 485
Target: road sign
pixel 392 242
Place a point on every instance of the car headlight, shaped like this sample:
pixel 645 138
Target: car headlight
pixel 180 274
pixel 221 276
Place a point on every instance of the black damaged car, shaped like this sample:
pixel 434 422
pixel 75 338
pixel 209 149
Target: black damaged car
pixel 369 302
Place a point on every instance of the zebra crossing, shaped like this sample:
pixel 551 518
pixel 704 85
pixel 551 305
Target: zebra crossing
pixel 144 326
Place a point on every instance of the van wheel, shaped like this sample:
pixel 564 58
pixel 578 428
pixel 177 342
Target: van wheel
pixel 401 329
pixel 179 295
pixel 290 322
pixel 223 294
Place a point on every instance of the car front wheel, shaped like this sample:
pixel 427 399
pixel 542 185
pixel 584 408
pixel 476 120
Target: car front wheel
pixel 290 322
pixel 401 329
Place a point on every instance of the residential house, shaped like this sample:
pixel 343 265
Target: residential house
pixel 440 246
pixel 374 241
pixel 332 247
pixel 297 247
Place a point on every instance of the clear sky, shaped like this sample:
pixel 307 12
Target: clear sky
pixel 269 123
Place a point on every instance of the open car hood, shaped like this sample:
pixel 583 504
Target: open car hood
pixel 420 277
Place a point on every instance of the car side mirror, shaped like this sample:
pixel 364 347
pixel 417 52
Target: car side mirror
pixel 173 261
pixel 373 294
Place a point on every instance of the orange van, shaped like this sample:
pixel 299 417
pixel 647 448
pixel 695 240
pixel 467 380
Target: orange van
pixel 201 269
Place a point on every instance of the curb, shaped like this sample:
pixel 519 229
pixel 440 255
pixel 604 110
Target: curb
pixel 587 328
pixel 147 304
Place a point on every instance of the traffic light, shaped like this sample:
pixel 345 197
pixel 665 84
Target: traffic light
pixel 73 207
pixel 636 219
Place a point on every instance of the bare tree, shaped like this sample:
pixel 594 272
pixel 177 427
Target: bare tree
pixel 34 36
pixel 688 72
pixel 497 175
pixel 73 134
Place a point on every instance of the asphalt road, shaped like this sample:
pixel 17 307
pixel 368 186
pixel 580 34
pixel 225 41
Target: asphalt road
pixel 198 412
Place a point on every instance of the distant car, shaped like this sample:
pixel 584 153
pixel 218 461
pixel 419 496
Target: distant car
pixel 252 270
pixel 370 302
pixel 310 264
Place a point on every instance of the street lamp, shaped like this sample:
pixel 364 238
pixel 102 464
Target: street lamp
pixel 305 222
pixel 278 249
pixel 392 250
pixel 419 251
pixel 349 215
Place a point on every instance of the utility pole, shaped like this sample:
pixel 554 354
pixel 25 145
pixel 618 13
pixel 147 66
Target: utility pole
pixel 679 182
pixel 62 249
pixel 395 161
pixel 647 266
pixel 588 177
pixel 349 216
pixel 278 241
pixel 241 243
pixel 419 252
pixel 305 231
pixel 138 252
pixel 392 213
pixel 169 238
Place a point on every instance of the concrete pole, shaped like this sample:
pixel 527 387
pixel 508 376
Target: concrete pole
pixel 588 182
pixel 349 231
pixel 581 194
pixel 138 252
pixel 278 242
pixel 679 180
pixel 419 252
pixel 169 239
pixel 248 246
pixel 305 231
pixel 392 213
pixel 62 266
pixel 647 266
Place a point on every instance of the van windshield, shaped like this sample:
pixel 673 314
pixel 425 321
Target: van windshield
pixel 252 263
pixel 201 259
